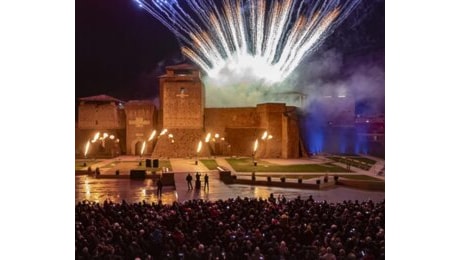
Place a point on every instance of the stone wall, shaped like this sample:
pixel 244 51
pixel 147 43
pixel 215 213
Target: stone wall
pixel 241 140
pixel 240 127
pixel 237 128
pixel 216 120
pixel 182 144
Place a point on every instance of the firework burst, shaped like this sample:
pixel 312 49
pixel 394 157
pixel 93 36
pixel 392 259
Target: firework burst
pixel 265 40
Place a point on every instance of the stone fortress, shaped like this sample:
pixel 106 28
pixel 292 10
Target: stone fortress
pixel 125 126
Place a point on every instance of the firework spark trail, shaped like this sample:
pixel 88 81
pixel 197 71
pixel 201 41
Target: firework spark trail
pixel 266 38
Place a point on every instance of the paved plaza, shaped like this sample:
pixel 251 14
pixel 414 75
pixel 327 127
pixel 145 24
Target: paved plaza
pixel 100 189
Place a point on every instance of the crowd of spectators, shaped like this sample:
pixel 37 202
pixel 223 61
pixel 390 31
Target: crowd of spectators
pixel 239 228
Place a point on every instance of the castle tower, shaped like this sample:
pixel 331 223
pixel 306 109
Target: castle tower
pixel 182 97
pixel 104 115
pixel 181 112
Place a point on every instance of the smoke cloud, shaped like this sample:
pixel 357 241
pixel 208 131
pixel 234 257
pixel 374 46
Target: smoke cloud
pixel 328 73
pixel 246 91
pixel 332 74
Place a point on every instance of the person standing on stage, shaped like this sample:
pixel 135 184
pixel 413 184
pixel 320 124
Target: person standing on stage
pixel 159 187
pixel 206 181
pixel 197 181
pixel 189 179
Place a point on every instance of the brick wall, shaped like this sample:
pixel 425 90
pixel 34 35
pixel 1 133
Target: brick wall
pixel 140 122
pixel 100 116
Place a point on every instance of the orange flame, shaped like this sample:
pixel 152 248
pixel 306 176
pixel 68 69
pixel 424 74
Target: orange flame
pixel 152 135
pixel 143 148
pixel 199 147
pixel 87 148
pixel 264 135
pixel 96 136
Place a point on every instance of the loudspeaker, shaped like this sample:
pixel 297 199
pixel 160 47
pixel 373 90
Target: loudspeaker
pixel 148 163
pixel 156 163
pixel 137 174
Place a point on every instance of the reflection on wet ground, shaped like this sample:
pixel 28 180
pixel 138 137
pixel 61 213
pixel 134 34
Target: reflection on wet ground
pixel 98 190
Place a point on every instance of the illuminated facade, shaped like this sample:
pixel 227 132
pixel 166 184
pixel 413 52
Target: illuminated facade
pixel 232 131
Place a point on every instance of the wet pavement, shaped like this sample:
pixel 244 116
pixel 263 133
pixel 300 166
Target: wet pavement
pixel 97 189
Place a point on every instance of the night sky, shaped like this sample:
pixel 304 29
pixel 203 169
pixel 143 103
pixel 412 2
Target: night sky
pixel 121 49
pixel 118 48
